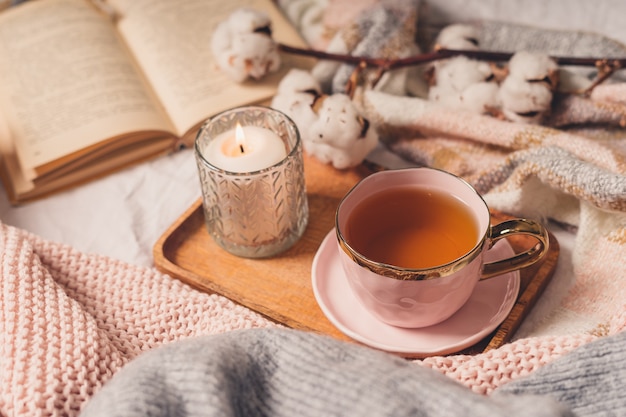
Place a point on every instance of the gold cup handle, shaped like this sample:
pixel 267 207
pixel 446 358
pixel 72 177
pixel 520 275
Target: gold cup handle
pixel 520 260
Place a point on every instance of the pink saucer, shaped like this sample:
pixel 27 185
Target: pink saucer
pixel 488 306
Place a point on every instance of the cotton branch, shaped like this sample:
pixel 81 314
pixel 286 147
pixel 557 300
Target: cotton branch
pixel 389 64
pixel 606 66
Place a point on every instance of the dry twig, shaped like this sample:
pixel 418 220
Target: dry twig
pixel 606 66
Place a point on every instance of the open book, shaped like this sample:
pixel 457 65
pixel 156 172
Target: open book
pixel 84 92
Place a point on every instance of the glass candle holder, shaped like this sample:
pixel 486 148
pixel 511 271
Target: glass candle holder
pixel 253 192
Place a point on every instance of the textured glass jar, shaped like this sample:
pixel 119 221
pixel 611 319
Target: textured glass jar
pixel 259 213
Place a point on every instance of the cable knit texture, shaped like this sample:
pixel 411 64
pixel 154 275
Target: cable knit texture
pixel 280 372
pixel 69 321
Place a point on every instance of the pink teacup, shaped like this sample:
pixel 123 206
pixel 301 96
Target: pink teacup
pixel 412 243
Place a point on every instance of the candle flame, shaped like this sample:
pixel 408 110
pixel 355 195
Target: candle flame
pixel 240 138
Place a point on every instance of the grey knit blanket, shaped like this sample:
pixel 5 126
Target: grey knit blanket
pixel 282 372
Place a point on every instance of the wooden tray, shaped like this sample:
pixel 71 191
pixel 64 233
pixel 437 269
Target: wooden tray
pixel 280 287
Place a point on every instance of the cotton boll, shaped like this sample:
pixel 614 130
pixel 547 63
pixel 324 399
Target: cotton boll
pixel 462 83
pixel 522 96
pixel 458 36
pixel 243 46
pixel 257 55
pixel 453 76
pixel 480 97
pixel 241 21
pixel 457 73
pixel 303 115
pixel 337 122
pixel 323 152
pixel 532 66
pixel 299 109
pixel 330 126
pixel 339 135
pixel 297 106
pixel 295 95
pixel 246 20
pixel 297 81
pixel 526 93
pixel 233 69
pixel 338 158
pixel 444 96
pixel 524 101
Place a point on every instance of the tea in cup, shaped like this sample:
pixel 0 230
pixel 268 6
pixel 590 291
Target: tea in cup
pixel 412 243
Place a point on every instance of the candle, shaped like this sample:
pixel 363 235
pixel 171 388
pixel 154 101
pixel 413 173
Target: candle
pixel 245 149
pixel 252 178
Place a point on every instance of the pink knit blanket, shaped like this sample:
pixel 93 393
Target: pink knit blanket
pixel 69 321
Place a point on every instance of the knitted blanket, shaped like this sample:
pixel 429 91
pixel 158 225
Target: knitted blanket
pixel 289 373
pixel 70 321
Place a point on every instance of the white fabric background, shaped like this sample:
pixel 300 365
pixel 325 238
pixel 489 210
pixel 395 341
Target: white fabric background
pixel 124 214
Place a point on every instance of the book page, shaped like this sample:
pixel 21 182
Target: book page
pixel 68 82
pixel 171 40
